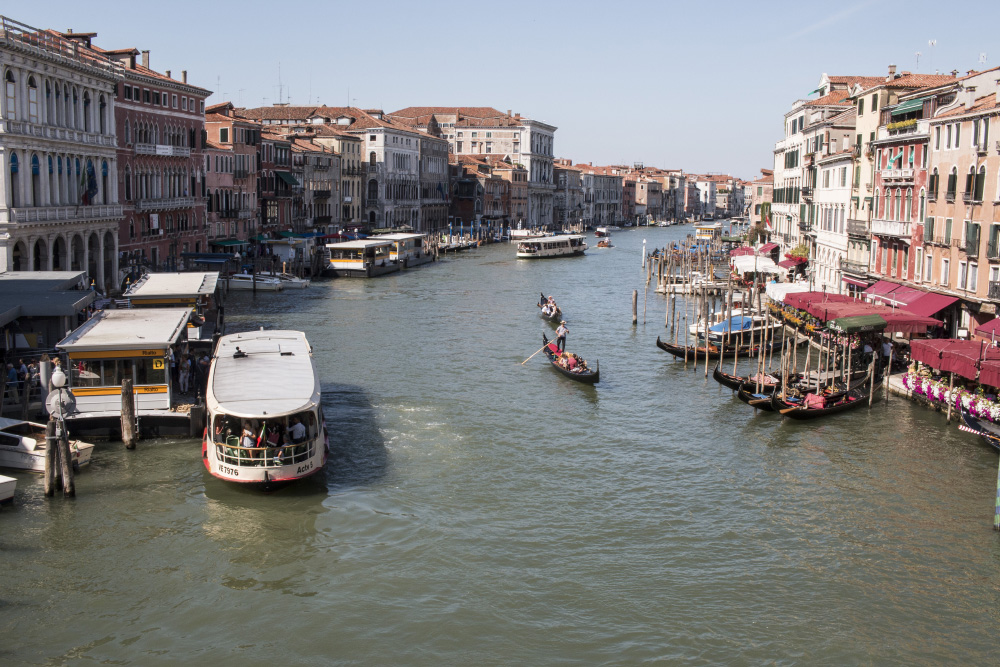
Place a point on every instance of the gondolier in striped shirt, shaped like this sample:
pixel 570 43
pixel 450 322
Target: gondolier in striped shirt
pixel 561 336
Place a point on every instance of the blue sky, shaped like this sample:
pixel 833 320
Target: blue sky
pixel 692 85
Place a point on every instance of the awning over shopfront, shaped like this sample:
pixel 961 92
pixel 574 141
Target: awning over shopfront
pixel 930 303
pixel 747 264
pixel 287 177
pixel 991 328
pixel 227 243
pixel 788 264
pixel 740 251
pixel 881 287
pixel 767 248
pixel 854 281
pixel 909 106
pixel 778 291
pixel 962 357
pixel 857 324
pixel 989 372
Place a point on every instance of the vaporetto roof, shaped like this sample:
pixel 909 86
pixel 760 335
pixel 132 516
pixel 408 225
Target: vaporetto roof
pixel 276 378
pixel 174 285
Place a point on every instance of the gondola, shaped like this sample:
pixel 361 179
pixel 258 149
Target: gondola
pixel 697 353
pixel 761 400
pixel 727 380
pixel 856 396
pixel 987 431
pixel 589 376
pixel 554 317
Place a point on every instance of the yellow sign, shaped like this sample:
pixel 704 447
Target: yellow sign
pixel 116 391
pixel 116 354
pixel 157 364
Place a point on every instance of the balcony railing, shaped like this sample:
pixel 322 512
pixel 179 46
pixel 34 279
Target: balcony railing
pixel 972 247
pixel 60 133
pixel 44 44
pixel 805 227
pixel 897 174
pixel 891 228
pixel 949 197
pixel 994 291
pixel 851 266
pixel 992 250
pixel 245 213
pixel 322 219
pixel 60 213
pixel 857 228
pixel 807 191
pixel 163 204
pixel 321 194
pixel 162 149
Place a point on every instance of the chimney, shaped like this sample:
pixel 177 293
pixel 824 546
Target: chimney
pixel 167 73
pixel 145 59
pixel 69 31
pixel 184 76
pixel 892 73
pixel 508 112
pixel 954 73
pixel 970 97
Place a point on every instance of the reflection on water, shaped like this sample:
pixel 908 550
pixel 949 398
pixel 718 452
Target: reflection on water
pixel 477 510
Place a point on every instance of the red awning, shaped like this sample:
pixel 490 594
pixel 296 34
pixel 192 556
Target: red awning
pixel 899 297
pixel 963 357
pixel 767 248
pixel 788 264
pixel 742 250
pixel 989 372
pixel 803 299
pixel 930 303
pixel 796 260
pixel 991 328
pixel 881 287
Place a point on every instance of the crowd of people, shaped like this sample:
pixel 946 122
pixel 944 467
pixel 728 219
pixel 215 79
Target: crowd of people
pixel 188 370
pixel 572 362
pixel 274 439
pixel 548 306
pixel 20 377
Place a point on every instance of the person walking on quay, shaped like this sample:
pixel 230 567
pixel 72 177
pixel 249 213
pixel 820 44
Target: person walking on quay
pixel 561 336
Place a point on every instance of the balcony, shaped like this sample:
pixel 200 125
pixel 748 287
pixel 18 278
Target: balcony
pixel 245 213
pixel 992 251
pixel 896 228
pixel 805 227
pixel 322 219
pixel 857 228
pixel 373 169
pixel 994 291
pixel 162 150
pixel 164 204
pixel 972 247
pixel 932 195
pixel 58 133
pixel 807 192
pixel 897 175
pixel 949 197
pixel 851 266
pixel 904 128
pixel 321 194
pixel 66 213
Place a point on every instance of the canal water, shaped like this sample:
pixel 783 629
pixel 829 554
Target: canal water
pixel 480 511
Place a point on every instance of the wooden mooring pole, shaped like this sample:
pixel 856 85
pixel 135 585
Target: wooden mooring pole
pixel 635 307
pixel 129 435
pixel 66 463
pixel 51 462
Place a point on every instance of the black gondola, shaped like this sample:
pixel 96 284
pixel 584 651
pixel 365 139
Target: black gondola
pixel 727 380
pixel 698 352
pixel 555 316
pixel 761 400
pixel 589 376
pixel 987 431
pixel 853 398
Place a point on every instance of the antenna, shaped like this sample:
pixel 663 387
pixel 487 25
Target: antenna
pixel 931 43
pixel 982 58
pixel 918 60
pixel 280 98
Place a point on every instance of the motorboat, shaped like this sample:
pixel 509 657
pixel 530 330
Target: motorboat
pixel 7 487
pixel 265 417
pixel 260 282
pixel 22 446
pixel 288 281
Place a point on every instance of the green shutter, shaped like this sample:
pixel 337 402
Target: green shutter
pixel 947 230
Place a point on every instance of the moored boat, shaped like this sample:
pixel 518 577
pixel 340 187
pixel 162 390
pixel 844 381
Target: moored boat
pixel 813 406
pixel 248 282
pixel 698 352
pixel 23 445
pixel 990 433
pixel 586 375
pixel 408 249
pixel 7 487
pixel 727 380
pixel 265 418
pixel 288 281
pixel 758 396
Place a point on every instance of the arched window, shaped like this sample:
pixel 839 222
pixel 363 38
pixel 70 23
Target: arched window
pixel 128 184
pixel 932 184
pixel 50 107
pixel 102 111
pixel 15 193
pixel 36 185
pixel 876 209
pixel 952 183
pixel 10 111
pixel 909 204
pixel 32 100
pixel 980 184
pixel 923 206
pixel 371 159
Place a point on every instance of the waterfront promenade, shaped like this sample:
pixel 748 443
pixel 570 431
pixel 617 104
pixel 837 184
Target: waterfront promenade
pixel 478 511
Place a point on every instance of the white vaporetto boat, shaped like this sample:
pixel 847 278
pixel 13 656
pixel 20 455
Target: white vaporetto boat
pixel 22 446
pixel 552 246
pixel 245 281
pixel 265 418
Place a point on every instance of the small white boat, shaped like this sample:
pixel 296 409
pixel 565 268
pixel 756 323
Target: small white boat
pixel 288 281
pixel 22 446
pixel 601 232
pixel 245 281
pixel 7 486
pixel 565 245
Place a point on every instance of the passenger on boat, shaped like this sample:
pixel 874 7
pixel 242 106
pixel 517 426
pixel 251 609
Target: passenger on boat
pixel 297 431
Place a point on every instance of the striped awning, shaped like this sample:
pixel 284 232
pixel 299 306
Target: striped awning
pixel 909 106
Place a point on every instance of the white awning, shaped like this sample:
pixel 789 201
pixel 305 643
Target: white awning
pixel 777 291
pixel 755 264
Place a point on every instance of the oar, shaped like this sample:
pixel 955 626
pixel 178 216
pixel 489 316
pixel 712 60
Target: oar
pixel 759 401
pixel 787 410
pixel 539 350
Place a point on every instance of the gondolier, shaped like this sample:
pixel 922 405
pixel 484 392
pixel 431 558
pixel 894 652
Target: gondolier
pixel 561 336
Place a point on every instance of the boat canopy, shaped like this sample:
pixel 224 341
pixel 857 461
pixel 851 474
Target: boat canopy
pixel 736 323
pixel 273 376
pixel 179 285
pixel 134 329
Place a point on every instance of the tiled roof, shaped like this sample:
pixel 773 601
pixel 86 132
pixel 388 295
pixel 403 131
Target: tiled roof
pixel 837 97
pixel 277 113
pixel 214 144
pixel 985 103
pixel 476 112
pixel 972 73
pixel 864 81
